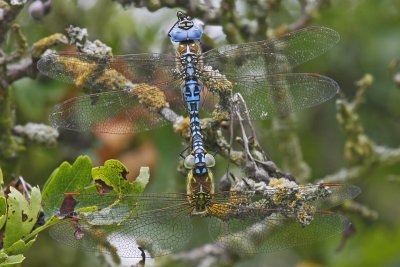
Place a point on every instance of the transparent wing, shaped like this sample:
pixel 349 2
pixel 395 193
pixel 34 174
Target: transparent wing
pixel 160 232
pixel 113 109
pixel 250 235
pixel 273 219
pixel 121 224
pixel 272 56
pixel 75 204
pixel 283 93
pixel 337 195
pixel 112 112
pixel 320 196
pixel 90 71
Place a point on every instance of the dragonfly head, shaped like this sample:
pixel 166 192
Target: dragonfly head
pixel 200 182
pixel 185 22
pixel 200 166
pixel 185 29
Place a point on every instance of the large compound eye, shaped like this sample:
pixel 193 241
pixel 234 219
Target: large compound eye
pixel 210 160
pixel 189 162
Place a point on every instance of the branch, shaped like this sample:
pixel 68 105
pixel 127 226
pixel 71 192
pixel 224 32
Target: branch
pixel 309 11
pixel 21 69
pixel 37 133
pixel 362 153
pixel 13 66
pixel 9 11
pixel 358 208
pixel 205 256
pixel 380 157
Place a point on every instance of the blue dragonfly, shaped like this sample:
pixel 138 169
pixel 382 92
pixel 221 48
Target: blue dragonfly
pixel 130 93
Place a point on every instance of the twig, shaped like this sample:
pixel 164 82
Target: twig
pixel 361 209
pixel 14 66
pixel 310 10
pixel 21 69
pixel 37 133
pixel 10 11
pixel 382 156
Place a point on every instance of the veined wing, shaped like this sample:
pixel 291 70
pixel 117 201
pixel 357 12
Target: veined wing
pixel 123 111
pixel 157 223
pixel 284 93
pixel 274 219
pixel 335 195
pixel 119 106
pixel 250 235
pixel 108 73
pixel 319 196
pixel 272 56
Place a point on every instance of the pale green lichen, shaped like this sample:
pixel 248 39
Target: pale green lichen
pixel 358 147
pixel 282 196
pixel 42 45
pixel 150 96
pixel 217 83
pixel 37 133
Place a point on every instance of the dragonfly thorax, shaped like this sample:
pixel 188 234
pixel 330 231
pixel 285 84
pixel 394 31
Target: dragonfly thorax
pixel 188 47
pixel 201 200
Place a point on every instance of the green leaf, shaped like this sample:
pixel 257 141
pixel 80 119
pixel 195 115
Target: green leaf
pixel 1 178
pixel 3 255
pixel 112 176
pixel 3 211
pixel 6 260
pixel 20 247
pixel 21 217
pixel 66 178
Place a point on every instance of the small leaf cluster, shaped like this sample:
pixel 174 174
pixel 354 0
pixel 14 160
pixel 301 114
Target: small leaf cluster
pixel 21 210
pixel 18 217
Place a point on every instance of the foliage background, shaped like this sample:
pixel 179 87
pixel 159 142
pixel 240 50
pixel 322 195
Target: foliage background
pixel 370 40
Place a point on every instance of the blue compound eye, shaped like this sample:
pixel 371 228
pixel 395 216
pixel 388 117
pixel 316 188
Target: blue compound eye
pixel 210 160
pixel 189 162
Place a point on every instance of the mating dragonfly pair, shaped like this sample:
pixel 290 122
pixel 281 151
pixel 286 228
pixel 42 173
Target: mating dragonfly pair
pixel 137 89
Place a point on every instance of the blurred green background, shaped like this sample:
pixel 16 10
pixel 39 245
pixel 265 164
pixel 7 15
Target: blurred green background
pixel 370 40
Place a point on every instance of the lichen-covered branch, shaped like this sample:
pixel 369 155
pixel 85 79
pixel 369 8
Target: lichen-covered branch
pixel 361 209
pixel 9 11
pixel 14 65
pixel 358 147
pixel 289 147
pixel 381 156
pixel 9 145
pixel 37 133
pixel 253 23
pixel 360 151
pixel 310 10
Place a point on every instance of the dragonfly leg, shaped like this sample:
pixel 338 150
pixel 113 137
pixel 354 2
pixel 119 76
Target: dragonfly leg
pixel 183 151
